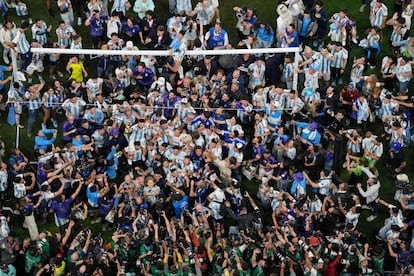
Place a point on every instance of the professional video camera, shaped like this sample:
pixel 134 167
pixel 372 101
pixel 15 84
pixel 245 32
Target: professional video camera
pixel 402 183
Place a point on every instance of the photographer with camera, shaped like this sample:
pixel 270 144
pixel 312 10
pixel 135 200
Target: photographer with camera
pixel 246 19
pixel 77 252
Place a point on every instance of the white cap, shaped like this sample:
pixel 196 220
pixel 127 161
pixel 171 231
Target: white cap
pixel 402 177
pixel 184 100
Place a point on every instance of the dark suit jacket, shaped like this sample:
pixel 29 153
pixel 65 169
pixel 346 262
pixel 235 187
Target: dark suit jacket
pixel 163 44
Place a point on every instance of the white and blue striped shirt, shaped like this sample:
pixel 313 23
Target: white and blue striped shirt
pixel 339 57
pixel 325 63
pixel 339 22
pixel 40 33
pixel 397 37
pixel 138 155
pixel 34 103
pixel 183 6
pixel 139 134
pixel 261 128
pixel 21 10
pixel 378 14
pixel 324 185
pixel 49 100
pixel 373 40
pixel 74 108
pixel 288 71
pixel 387 108
pixel 119 6
pixel 23 46
pixel 64 36
pixel 3 180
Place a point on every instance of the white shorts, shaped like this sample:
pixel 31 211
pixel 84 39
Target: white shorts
pixel 35 67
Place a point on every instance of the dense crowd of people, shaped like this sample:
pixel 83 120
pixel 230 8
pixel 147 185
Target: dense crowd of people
pixel 163 151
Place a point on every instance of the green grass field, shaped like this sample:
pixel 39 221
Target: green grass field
pixel 265 10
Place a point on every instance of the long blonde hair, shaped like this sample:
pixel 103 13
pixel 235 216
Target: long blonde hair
pixel 370 83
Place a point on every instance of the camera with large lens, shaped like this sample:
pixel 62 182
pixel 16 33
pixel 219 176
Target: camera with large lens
pixel 103 257
pixel 240 14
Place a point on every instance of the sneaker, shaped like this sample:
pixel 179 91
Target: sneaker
pixel 20 76
pixel 371 218
pixel 79 21
pixel 55 123
pixel 97 220
pixel 29 134
pixel 60 74
pixel 218 20
pixel 361 9
pixel 365 207
pixel 340 82
pixel 372 67
pixel 333 84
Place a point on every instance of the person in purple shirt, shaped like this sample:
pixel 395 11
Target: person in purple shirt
pixel 204 119
pixel 45 171
pixel 168 102
pixel 267 163
pixel 258 149
pixel 132 31
pixel 61 206
pixel 69 127
pixel 41 140
pixel 144 76
pixel 97 22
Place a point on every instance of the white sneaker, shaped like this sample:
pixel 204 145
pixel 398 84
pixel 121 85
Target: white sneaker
pixel 371 218
pixel 361 9
pixel 20 76
pixel 79 21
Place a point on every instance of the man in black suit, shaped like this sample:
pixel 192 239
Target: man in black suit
pixel 206 67
pixel 158 38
